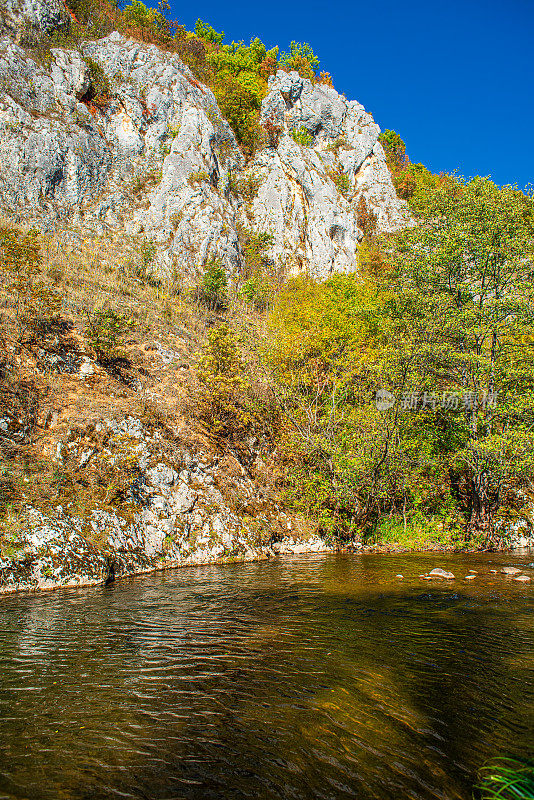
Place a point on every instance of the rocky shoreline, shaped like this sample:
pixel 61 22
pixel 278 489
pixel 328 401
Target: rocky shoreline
pixel 71 561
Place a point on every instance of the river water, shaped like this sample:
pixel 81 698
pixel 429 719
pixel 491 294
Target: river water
pixel 309 677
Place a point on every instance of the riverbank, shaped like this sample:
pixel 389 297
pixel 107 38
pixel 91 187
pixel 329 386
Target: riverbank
pixel 55 552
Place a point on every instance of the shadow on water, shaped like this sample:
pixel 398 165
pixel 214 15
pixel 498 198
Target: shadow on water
pixel 320 677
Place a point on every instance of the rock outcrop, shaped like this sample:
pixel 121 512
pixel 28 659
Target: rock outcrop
pixel 158 158
pixel 185 508
pixel 27 19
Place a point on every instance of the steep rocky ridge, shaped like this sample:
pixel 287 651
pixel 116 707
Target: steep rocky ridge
pixel 159 159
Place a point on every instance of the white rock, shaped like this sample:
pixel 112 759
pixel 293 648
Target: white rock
pixel 441 573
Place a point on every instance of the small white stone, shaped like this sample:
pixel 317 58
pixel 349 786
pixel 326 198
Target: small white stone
pixel 441 573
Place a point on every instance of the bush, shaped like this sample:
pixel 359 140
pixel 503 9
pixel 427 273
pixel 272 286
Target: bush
pixel 223 385
pixel 212 289
pixel 366 219
pixel 302 136
pixel 20 261
pixel 105 333
pixel 341 180
pixel 302 59
pixel 257 292
pixel 99 90
pixel 394 148
pixel 198 177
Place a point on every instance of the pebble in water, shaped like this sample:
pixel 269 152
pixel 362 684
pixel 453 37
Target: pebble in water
pixel 441 573
pixel 470 577
pixel 522 578
pixel 510 571
pixel 399 576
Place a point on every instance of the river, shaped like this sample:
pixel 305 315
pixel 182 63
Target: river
pixel 309 677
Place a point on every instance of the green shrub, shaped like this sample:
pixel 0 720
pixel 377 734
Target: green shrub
pixel 394 148
pixel 213 284
pixel 223 402
pixel 257 292
pixel 197 177
pixel 341 180
pixel 105 333
pixel 99 91
pixel 302 136
pixel 302 59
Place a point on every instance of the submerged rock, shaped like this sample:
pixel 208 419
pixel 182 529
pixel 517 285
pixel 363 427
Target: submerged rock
pixel 441 573
pixel 510 571
pixel 522 578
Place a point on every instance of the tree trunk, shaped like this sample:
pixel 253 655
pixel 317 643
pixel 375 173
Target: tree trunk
pixel 480 519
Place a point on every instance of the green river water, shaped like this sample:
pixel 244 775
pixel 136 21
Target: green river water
pixel 309 677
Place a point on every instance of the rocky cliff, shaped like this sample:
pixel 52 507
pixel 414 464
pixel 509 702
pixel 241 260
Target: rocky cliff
pixel 159 158
pixel 157 162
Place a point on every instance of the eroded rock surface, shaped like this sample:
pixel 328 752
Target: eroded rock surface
pixel 186 508
pixel 158 158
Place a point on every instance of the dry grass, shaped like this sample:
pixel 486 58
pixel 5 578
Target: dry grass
pixel 46 405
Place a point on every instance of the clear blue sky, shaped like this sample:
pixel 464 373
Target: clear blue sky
pixel 454 77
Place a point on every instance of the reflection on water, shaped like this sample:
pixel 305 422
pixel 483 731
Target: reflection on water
pixel 312 677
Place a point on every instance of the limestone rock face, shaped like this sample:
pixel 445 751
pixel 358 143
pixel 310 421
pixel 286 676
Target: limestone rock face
pixel 308 195
pixel 184 513
pixel 23 18
pixel 158 159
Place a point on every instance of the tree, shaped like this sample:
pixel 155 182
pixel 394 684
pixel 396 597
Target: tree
pixel 466 272
pixel 302 59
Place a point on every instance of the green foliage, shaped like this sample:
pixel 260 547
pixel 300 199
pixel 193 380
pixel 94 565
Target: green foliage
pixel 257 291
pixel 99 91
pixel 444 308
pixel 341 181
pixel 20 265
pixel 147 253
pixel 105 333
pixel 394 148
pixel 207 33
pixel 302 59
pixel 302 136
pixel 197 177
pixel 366 219
pixel 213 284
pixel 413 182
pixel 223 385
pixel 145 17
pixel 506 779
pixel 257 287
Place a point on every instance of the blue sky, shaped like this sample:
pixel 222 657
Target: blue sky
pixel 455 78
